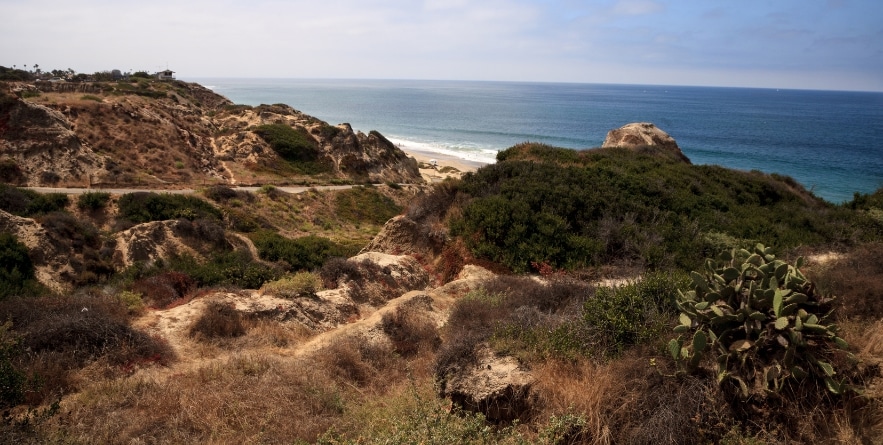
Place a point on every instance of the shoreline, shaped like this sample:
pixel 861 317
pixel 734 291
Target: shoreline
pixel 457 166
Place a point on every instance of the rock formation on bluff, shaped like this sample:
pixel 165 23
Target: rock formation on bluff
pixel 43 144
pixel 161 133
pixel 643 135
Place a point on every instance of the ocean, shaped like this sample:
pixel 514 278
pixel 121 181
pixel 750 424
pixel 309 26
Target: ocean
pixel 829 141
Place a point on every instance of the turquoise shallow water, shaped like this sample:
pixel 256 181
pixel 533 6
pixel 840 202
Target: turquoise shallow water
pixel 829 141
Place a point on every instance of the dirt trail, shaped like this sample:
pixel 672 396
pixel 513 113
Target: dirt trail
pixel 174 324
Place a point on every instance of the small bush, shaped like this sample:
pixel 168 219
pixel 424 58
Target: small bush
pixel 270 190
pixel 141 207
pixel 472 321
pixel 16 268
pixel 222 193
pixel 28 203
pixel 10 172
pixel 338 270
pixel 305 253
pixel 91 97
pixel 363 204
pixel 633 313
pixel 67 228
pixel 162 289
pixel 204 229
pixel 858 281
pixel 433 205
pixel 235 268
pixel 49 177
pixel 93 200
pixel 218 320
pixel 293 286
pixel 410 331
pixel 295 146
pixel 356 360
pixel 132 300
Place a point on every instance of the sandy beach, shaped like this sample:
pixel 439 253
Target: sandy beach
pixel 446 165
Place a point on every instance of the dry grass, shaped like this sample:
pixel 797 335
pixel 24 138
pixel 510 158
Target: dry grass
pixel 246 398
pixel 410 331
pixel 857 281
pixel 629 401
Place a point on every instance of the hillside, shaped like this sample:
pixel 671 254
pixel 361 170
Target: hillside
pixel 145 132
pixel 614 295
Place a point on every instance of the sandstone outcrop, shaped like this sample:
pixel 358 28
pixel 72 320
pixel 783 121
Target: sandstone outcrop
pixel 643 136
pixel 404 236
pixel 381 277
pixel 150 242
pixel 162 133
pixel 51 259
pixel 42 142
pixel 498 387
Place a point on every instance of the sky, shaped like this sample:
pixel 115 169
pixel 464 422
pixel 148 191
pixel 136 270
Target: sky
pixel 803 44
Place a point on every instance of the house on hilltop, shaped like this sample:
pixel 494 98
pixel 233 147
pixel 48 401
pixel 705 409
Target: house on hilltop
pixel 166 75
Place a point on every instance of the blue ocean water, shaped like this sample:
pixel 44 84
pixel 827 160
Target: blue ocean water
pixel 829 141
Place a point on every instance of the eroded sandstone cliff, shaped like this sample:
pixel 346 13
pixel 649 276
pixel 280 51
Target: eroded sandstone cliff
pixel 150 133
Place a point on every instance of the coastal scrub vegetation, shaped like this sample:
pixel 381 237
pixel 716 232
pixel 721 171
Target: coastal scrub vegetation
pixel 295 146
pixel 305 253
pixel 572 210
pixel 141 207
pixel 654 358
pixel 365 205
pixel 28 203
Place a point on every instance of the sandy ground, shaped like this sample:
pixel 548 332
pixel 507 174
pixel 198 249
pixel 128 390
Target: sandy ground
pixel 456 165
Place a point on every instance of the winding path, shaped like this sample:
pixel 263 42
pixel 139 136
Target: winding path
pixel 116 191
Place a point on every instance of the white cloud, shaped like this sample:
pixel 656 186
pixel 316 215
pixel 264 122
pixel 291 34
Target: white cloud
pixel 568 40
pixel 637 7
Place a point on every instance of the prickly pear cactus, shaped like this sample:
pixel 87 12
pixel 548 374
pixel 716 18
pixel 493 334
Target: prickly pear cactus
pixel 761 321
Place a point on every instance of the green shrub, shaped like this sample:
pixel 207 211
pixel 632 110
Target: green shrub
pixel 16 268
pixel 28 203
pixel 141 207
pixel 362 204
pixel 573 209
pixel 293 286
pixel 91 97
pixel 93 200
pixel 295 146
pixel 10 172
pixel 226 269
pixel 633 313
pixel 306 253
pixel 762 323
pixel 222 193
pixel 132 301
